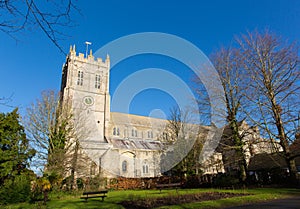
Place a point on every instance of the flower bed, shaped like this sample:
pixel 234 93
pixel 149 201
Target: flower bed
pixel 177 199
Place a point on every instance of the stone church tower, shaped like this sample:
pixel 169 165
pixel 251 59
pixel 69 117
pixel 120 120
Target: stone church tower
pixel 85 84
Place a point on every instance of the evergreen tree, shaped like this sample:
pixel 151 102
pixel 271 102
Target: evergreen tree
pixel 14 147
pixel 14 156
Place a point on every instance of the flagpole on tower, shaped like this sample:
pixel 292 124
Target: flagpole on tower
pixel 87 47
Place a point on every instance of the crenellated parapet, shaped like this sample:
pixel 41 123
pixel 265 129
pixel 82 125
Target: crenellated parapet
pixel 89 58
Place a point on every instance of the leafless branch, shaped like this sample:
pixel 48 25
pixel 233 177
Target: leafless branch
pixel 50 16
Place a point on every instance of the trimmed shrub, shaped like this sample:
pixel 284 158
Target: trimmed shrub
pixel 15 190
pixel 225 181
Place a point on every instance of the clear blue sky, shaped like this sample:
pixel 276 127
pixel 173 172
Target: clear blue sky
pixel 34 64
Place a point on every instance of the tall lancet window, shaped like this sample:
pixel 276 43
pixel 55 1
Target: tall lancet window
pixel 97 82
pixel 80 78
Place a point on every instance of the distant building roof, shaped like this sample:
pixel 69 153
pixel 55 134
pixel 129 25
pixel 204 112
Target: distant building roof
pixel 264 161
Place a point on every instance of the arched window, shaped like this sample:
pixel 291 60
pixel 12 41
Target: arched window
pixel 118 131
pixel 135 133
pixel 124 166
pixel 93 168
pixel 114 131
pixel 145 167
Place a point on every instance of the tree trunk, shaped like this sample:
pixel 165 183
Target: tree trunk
pixel 74 165
pixel 283 139
pixel 239 150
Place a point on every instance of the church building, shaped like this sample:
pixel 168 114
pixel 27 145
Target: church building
pixel 111 143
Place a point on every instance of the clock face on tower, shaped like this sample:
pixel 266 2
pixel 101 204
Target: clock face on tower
pixel 88 100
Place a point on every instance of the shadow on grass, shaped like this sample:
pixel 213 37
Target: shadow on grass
pixel 82 204
pixel 147 203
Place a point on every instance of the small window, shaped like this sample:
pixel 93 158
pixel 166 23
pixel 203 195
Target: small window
pixel 165 136
pixel 150 134
pixel 80 78
pixel 97 82
pixel 134 132
pixel 116 131
pixel 124 166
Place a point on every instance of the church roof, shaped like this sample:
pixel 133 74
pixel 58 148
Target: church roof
pixel 136 144
pixel 118 118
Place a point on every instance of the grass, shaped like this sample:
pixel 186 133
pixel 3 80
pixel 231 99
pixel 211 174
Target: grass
pixel 258 195
pixel 72 201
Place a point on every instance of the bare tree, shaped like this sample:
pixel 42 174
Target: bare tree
pixel 182 135
pixel 47 129
pixel 50 16
pixel 273 68
pixel 227 62
pixel 55 131
pixel 5 101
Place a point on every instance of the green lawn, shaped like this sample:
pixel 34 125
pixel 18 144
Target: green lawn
pixel 72 201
